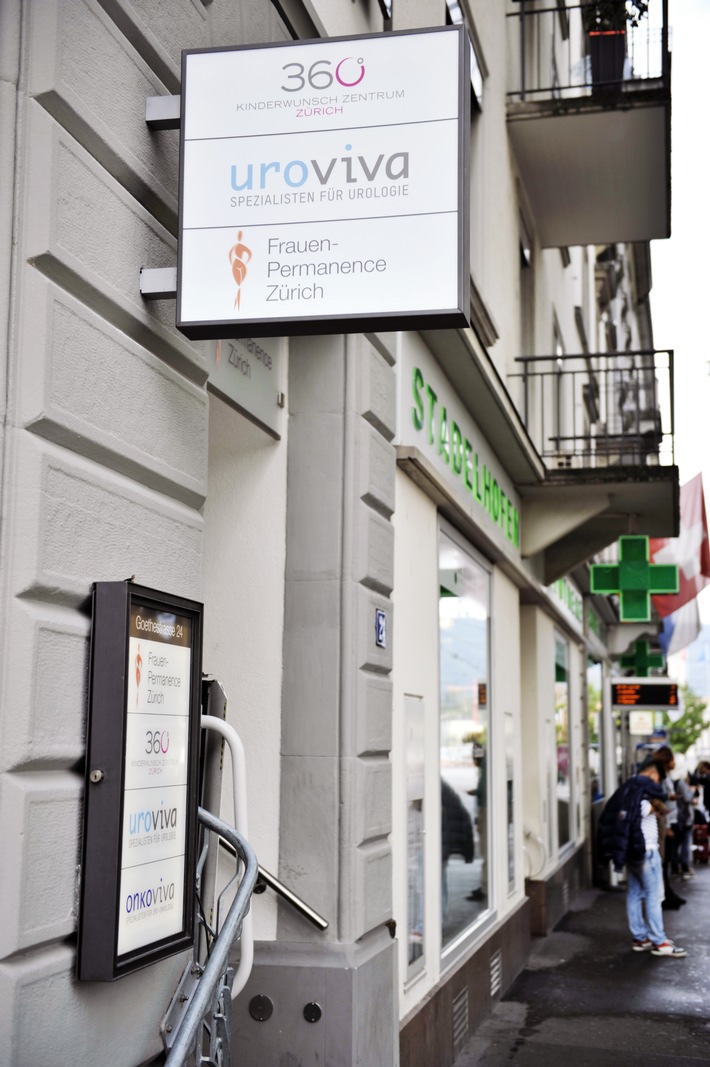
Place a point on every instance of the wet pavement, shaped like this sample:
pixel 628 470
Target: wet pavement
pixel 587 1000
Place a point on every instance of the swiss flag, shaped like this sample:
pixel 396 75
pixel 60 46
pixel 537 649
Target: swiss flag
pixel 691 551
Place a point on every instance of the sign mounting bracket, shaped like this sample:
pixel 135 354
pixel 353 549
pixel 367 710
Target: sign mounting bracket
pixel 162 112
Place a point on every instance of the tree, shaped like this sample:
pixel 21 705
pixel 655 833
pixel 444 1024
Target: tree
pixel 687 729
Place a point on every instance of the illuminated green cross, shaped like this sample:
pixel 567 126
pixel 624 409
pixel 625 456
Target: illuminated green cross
pixel 633 579
pixel 641 660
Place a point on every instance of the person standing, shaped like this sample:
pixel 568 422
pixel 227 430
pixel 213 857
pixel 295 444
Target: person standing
pixel 686 800
pixel 628 836
pixel 664 757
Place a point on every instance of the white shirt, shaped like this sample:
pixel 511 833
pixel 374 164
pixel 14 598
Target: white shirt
pixel 649 825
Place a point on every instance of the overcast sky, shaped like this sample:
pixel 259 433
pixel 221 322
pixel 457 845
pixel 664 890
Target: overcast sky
pixel 680 298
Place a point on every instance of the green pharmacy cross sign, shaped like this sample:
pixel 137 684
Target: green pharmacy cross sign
pixel 633 579
pixel 641 660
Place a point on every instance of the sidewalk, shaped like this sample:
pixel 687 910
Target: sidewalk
pixel 587 1000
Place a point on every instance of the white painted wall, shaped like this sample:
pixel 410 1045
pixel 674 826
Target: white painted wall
pixel 244 558
pixel 506 737
pixel 416 672
pixel 538 736
pixel 339 20
pixel 537 646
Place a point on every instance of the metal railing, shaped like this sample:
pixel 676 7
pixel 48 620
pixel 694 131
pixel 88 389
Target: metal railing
pixel 205 991
pixel 568 51
pixel 598 410
pixel 197 1026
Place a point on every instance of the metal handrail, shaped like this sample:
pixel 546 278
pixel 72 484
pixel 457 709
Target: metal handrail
pixel 239 783
pixel 290 897
pixel 267 880
pixel 186 1036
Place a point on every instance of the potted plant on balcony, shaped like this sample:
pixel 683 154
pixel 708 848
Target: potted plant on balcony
pixel 606 23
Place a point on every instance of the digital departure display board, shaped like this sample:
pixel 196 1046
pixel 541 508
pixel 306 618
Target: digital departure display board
pixel 650 693
pixel 140 812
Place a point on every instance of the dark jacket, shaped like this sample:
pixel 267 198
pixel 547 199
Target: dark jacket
pixel 456 828
pixel 619 835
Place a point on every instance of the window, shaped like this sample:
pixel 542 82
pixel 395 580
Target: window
pixel 563 743
pixel 464 653
pixel 414 753
pixel 594 713
pixel 527 289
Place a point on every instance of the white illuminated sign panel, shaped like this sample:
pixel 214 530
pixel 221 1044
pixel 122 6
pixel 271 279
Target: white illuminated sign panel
pixel 323 186
pixel 152 882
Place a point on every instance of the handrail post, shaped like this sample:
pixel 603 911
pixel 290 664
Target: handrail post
pixel 522 49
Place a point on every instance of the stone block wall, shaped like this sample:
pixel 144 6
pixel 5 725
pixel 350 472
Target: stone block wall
pixel 104 457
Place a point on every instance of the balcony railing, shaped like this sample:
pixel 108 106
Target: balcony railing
pixel 602 410
pixel 566 52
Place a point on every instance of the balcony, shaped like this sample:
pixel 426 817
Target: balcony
pixel 603 425
pixel 589 120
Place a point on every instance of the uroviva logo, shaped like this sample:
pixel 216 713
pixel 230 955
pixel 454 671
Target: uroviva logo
pixel 295 173
pixel 143 822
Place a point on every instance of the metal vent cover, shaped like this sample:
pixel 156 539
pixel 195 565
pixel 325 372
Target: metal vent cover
pixel 496 971
pixel 460 1020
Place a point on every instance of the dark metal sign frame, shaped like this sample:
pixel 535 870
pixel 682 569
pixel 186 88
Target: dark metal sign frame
pixel 168 646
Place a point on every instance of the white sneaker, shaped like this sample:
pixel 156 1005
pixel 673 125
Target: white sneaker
pixel 668 949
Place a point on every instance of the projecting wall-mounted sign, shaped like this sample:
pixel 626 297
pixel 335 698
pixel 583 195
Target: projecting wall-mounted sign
pixel 250 375
pixel 323 186
pixel 141 783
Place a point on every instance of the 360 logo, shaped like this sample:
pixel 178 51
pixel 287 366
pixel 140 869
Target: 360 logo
pixel 156 742
pixel 319 75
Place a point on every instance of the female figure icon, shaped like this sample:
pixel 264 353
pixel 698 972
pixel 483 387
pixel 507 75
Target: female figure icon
pixel 239 256
pixel 139 664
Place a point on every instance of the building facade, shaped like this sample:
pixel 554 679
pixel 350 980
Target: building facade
pixel 393 558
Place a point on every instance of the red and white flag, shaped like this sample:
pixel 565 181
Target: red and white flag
pixel 691 550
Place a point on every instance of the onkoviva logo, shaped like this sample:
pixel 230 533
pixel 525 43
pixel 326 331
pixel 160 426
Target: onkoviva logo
pixel 152 897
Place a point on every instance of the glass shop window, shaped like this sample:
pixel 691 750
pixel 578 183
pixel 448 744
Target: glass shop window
pixel 594 711
pixel 464 657
pixel 563 743
pixel 414 753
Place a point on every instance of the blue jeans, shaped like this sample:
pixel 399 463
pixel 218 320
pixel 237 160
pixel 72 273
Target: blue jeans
pixel 645 885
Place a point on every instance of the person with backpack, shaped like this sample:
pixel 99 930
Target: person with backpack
pixel 628 837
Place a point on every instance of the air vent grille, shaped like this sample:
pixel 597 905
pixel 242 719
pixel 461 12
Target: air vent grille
pixel 496 972
pixel 460 1020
